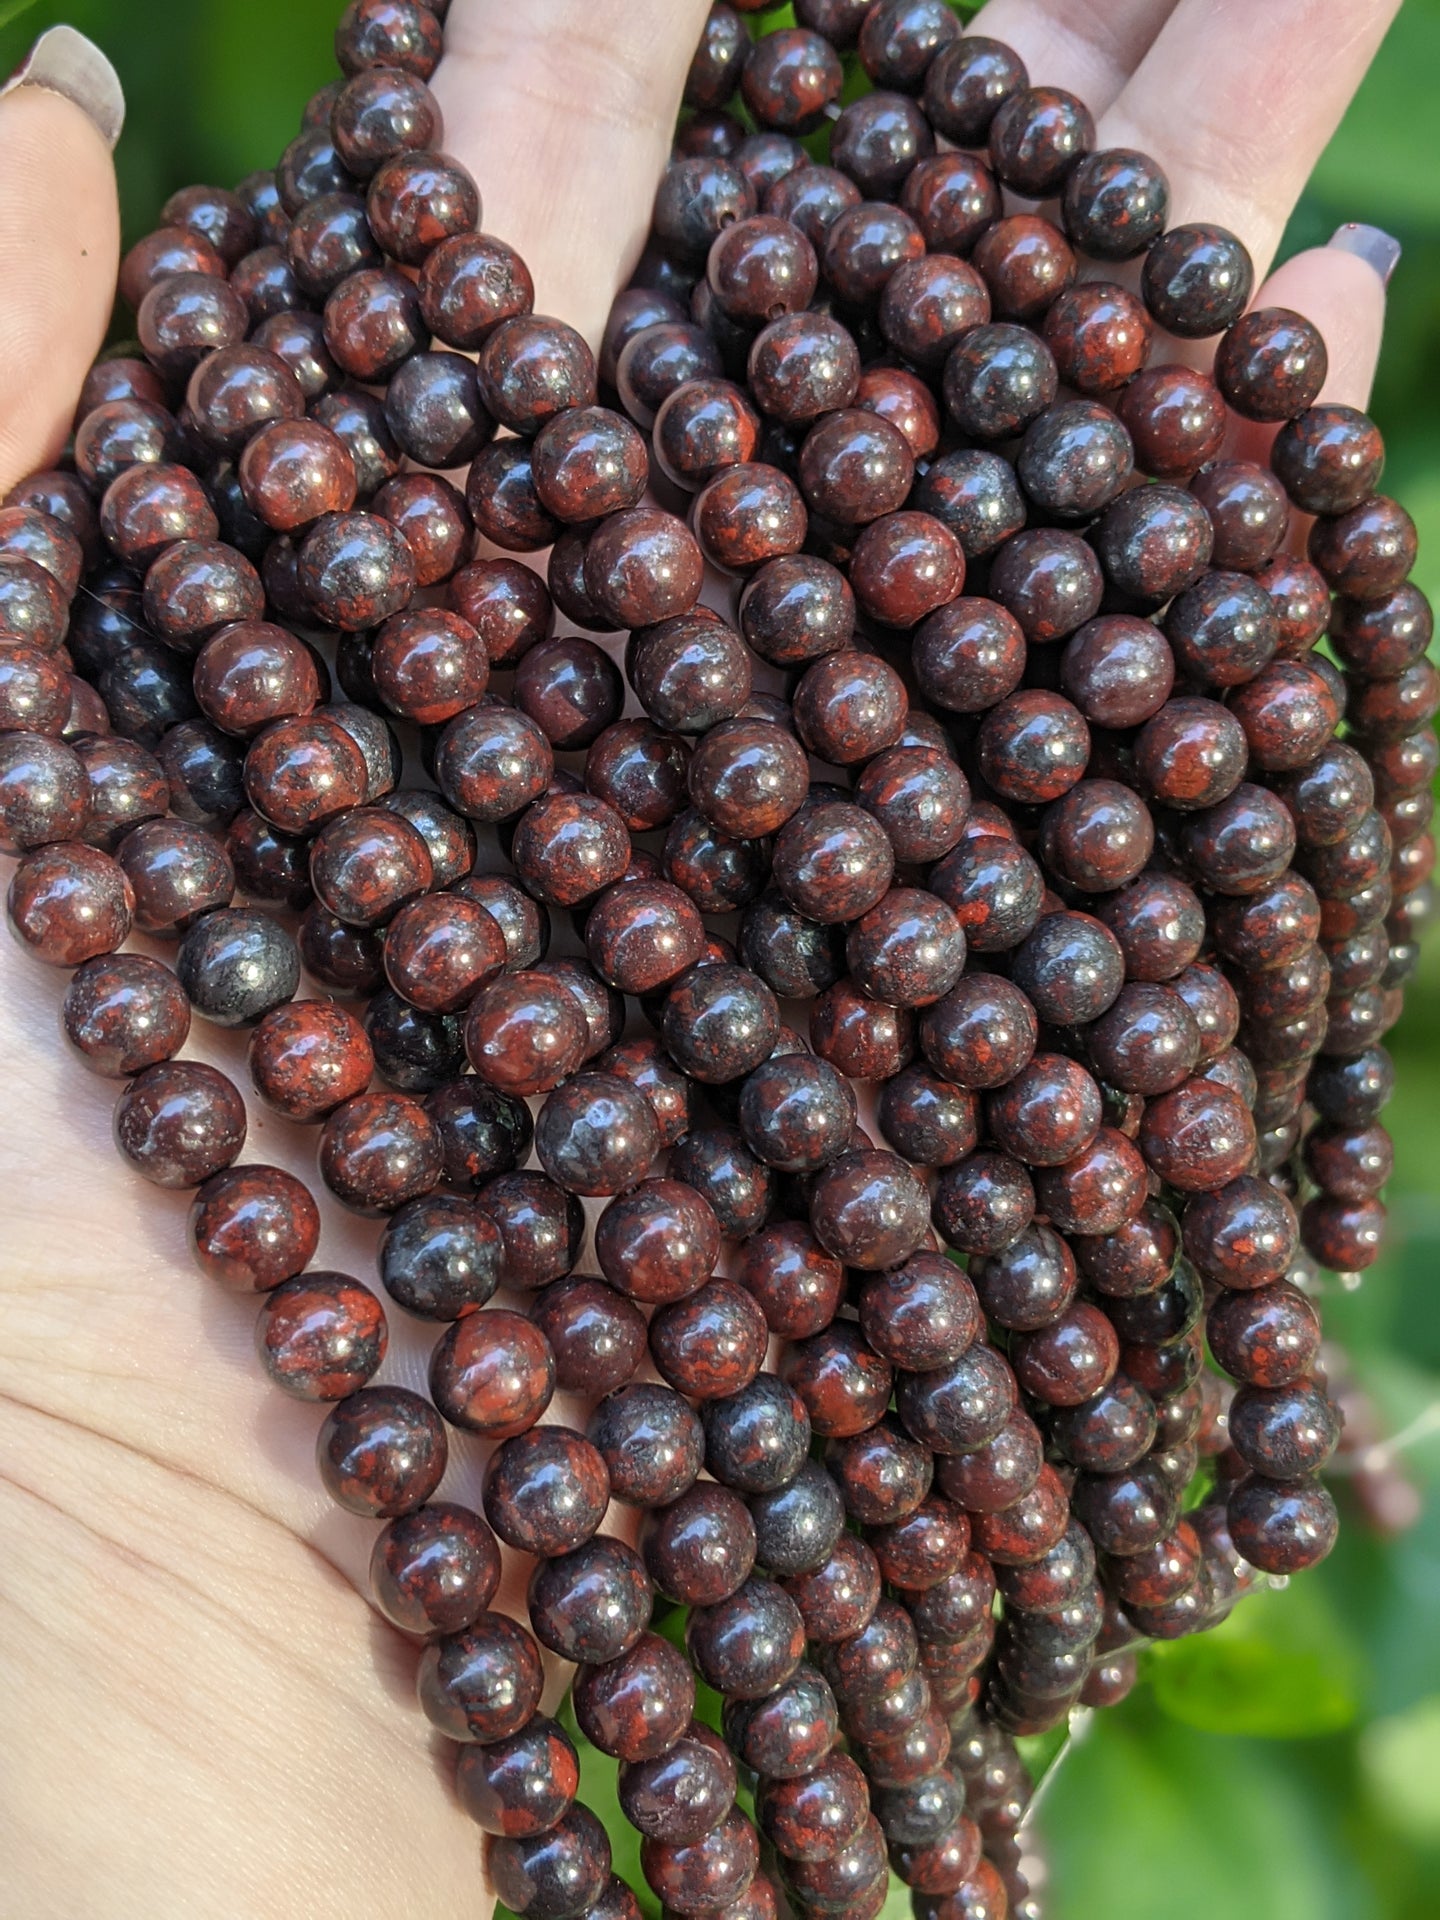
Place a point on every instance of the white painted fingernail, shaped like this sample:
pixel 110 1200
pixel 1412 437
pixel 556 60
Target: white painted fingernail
pixel 63 61
pixel 1373 245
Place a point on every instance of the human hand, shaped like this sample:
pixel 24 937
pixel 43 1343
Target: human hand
pixel 180 1599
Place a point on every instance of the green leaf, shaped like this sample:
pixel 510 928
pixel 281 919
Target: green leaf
pixel 1150 1820
pixel 1400 1761
pixel 14 10
pixel 1376 157
pixel 1281 1667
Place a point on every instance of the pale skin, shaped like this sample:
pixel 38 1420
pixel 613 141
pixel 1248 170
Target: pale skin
pixel 200 1712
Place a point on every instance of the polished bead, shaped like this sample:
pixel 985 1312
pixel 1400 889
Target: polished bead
pixel 321 1336
pixel 381 1452
pixel 435 1571
pixel 252 1227
pixel 379 1150
pixel 637 1706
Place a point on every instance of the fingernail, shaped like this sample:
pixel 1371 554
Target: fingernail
pixel 63 61
pixel 1373 245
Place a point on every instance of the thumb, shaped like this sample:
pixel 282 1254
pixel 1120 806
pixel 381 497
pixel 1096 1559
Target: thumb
pixel 60 115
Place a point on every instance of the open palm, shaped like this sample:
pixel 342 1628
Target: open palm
pixel 201 1713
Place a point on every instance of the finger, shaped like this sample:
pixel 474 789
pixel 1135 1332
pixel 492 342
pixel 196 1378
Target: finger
pixel 1237 101
pixel 59 240
pixel 1341 291
pixel 564 110
pixel 1090 47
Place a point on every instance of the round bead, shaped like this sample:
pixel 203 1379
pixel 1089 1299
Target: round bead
pixel 308 1056
pixel 636 1707
pixel 492 1373
pixel 435 1571
pixel 520 1787
pixel 179 1122
pixel 546 1491
pixel 701 1548
pixel 252 1227
pixel 482 1683
pixel 381 1452
pixel 1197 280
pixel 379 1150
pixel 321 1336
pixel 441 1257
pixel 1282 1527
pixel 123 1013
pixel 651 1442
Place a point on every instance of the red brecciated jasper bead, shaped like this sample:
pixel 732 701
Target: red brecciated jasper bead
pixel 68 903
pixel 253 1227
pixel 493 1373
pixel 179 1122
pixel 321 1336
pixel 435 1571
pixel 308 1057
pixel 123 1013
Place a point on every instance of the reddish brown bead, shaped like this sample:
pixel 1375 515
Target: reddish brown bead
pixel 711 1343
pixel 492 762
pixel 382 1452
pixel 433 1572
pixel 569 847
pixel 417 200
pixel 253 673
pixel 1026 262
pixel 747 515
pixel 1192 754
pixel 292 471
pixel 904 566
pixel 637 1706
pixel 470 284
pixel 492 1373
pixel 500 493
pixel 1176 420
pixel 428 666
pixel 69 903
pixel 1198 1137
pixel 379 1150
pixel 546 1490
pixel 441 950
pixel 148 508
pixel 482 1683
pixel 45 794
pixel 367 863
pixel 179 1122
pixel 431 516
pixel 1033 747
pixel 928 305
pixel 355 570
pixel 1268 1337
pixel 1100 336
pixel 864 1039
pixel 309 1056
pixel 123 1013
pixel 253 1227
pixel 299 772
pixel 525 1034
pixel 321 1336
pixel 849 707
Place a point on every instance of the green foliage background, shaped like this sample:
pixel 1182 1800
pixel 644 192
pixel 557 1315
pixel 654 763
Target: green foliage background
pixel 1288 1766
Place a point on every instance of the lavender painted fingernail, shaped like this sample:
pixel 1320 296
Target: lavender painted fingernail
pixel 63 61
pixel 1373 245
